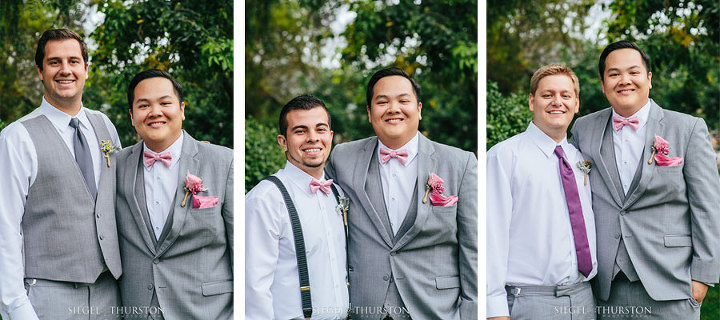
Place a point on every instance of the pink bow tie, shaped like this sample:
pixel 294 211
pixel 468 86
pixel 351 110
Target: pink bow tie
pixel 618 123
pixel 316 185
pixel 401 155
pixel 150 158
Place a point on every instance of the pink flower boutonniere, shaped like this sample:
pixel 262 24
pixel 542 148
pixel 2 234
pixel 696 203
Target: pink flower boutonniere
pixel 660 151
pixel 435 184
pixel 193 184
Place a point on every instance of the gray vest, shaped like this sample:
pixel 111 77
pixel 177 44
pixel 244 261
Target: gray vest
pixel 607 151
pixel 67 236
pixel 393 301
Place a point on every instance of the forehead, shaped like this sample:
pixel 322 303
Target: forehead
pixel 62 48
pixel 308 118
pixel 392 85
pixel 154 88
pixel 624 58
pixel 556 82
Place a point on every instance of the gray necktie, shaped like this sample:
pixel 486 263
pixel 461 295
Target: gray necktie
pixel 83 158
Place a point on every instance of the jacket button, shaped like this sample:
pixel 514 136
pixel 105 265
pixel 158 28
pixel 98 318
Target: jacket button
pixel 101 237
pixel 156 261
pixel 150 286
pixel 386 277
pixel 392 253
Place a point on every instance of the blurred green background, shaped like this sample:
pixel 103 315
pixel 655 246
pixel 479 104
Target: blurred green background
pixel 331 48
pixel 192 40
pixel 681 37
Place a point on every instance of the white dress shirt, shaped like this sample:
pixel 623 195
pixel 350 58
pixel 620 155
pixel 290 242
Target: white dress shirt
pixel 529 236
pixel 18 170
pixel 629 145
pixel 161 184
pixel 272 286
pixel 398 182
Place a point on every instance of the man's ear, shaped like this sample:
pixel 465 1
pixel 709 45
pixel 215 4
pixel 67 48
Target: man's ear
pixel 419 110
pixel 282 142
pixel 369 115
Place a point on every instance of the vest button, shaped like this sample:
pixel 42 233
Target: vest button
pixel 150 286
pixel 386 277
pixel 156 261
pixel 101 237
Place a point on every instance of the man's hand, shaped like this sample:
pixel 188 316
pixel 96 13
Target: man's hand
pixel 499 318
pixel 699 290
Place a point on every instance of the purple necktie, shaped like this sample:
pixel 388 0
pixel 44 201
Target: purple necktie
pixel 577 221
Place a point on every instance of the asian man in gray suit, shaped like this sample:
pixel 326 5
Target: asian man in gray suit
pixel 655 194
pixel 412 242
pixel 174 211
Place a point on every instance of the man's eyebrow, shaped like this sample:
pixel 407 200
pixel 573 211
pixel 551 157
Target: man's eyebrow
pixel 381 96
pixel 299 127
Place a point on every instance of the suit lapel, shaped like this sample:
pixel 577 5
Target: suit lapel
pixel 130 179
pixel 605 163
pixel 189 163
pixel 360 179
pixel 655 126
pixel 427 162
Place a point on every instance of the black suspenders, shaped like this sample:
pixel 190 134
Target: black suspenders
pixel 300 245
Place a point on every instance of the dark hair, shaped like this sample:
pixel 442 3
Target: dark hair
pixel 153 73
pixel 386 73
pixel 58 34
pixel 621 45
pixel 302 102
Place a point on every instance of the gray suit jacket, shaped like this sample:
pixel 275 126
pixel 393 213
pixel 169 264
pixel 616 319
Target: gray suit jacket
pixel 434 264
pixel 190 269
pixel 670 218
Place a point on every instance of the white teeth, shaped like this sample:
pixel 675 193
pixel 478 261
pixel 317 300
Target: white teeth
pixel 65 81
pixel 312 150
pixel 394 120
pixel 156 124
pixel 556 112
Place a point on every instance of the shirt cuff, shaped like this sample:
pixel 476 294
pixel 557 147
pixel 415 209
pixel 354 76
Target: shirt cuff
pixel 497 307
pixel 25 312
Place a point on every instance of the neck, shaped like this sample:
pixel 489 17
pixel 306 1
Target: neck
pixel 72 108
pixel 395 144
pixel 629 111
pixel 160 146
pixel 556 134
pixel 315 172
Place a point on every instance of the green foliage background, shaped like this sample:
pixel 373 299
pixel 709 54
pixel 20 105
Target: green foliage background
pixel 286 53
pixel 681 37
pixel 192 40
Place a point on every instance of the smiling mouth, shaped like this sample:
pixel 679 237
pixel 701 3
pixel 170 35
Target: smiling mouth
pixel 626 91
pixel 312 151
pixel 556 112
pixel 156 124
pixel 64 81
pixel 394 120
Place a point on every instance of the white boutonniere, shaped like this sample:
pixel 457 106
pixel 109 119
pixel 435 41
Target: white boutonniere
pixel 107 148
pixel 342 208
pixel 585 168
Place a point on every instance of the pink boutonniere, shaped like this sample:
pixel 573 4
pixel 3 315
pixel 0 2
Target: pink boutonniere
pixel 660 151
pixel 435 184
pixel 193 184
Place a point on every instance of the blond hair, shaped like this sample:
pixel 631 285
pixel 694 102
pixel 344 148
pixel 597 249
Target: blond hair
pixel 551 70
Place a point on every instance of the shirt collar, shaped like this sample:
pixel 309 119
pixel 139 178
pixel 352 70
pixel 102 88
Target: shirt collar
pixel 411 147
pixel 300 178
pixel 544 142
pixel 175 149
pixel 61 120
pixel 641 114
